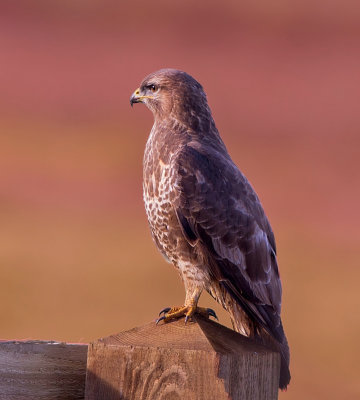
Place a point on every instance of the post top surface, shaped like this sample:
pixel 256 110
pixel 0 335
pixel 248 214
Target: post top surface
pixel 202 334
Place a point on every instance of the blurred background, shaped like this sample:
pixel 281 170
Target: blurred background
pixel 282 78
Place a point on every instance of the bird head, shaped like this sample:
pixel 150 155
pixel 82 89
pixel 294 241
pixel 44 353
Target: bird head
pixel 170 92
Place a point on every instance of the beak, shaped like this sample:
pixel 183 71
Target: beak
pixel 135 97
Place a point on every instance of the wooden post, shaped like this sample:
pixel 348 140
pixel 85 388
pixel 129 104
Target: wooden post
pixel 42 370
pixel 201 360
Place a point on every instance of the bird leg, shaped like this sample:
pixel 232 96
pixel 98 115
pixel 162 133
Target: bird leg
pixel 170 314
pixel 193 291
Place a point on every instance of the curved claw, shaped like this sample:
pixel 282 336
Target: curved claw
pixel 164 311
pixel 160 319
pixel 187 317
pixel 212 313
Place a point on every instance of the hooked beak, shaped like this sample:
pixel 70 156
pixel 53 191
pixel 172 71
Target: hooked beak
pixel 135 97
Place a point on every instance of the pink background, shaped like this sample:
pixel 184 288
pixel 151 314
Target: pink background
pixel 282 78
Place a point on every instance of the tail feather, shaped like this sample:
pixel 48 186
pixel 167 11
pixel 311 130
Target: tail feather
pixel 243 324
pixel 256 321
pixel 282 347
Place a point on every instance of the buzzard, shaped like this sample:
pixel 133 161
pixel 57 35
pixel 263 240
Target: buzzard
pixel 204 215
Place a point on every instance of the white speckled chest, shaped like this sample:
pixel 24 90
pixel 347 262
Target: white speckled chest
pixel 157 191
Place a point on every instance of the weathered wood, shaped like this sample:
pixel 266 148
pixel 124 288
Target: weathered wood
pixel 202 360
pixel 42 370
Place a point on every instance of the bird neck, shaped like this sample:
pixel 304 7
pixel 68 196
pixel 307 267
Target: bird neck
pixel 174 129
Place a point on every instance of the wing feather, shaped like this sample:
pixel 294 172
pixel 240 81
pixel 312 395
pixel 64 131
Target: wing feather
pixel 217 206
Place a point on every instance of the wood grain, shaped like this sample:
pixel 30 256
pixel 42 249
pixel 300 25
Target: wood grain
pixel 202 360
pixel 42 370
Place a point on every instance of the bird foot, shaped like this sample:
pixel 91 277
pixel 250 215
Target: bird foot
pixel 170 314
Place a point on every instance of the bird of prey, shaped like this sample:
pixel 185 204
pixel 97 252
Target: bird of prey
pixel 204 215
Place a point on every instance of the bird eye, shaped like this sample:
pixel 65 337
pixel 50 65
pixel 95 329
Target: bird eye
pixel 153 88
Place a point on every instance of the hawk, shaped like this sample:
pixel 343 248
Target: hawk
pixel 204 215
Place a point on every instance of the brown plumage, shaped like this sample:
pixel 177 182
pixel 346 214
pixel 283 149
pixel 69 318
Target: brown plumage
pixel 204 216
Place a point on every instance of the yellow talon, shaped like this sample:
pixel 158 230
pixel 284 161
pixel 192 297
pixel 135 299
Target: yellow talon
pixel 169 314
